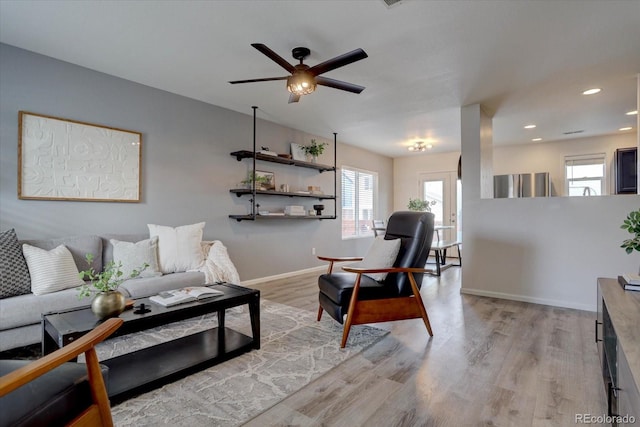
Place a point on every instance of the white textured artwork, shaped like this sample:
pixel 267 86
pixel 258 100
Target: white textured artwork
pixel 62 159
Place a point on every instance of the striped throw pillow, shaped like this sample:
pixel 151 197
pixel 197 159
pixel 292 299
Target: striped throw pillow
pixel 52 270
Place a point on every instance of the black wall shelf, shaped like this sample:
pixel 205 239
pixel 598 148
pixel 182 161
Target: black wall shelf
pixel 253 192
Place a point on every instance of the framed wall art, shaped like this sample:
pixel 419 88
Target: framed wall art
pixel 265 180
pixel 61 159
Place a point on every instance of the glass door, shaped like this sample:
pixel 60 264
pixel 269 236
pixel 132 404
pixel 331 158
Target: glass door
pixel 441 189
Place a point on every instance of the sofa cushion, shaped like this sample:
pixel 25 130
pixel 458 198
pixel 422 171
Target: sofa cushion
pixel 178 247
pixel 147 286
pixel 133 256
pixel 107 247
pixel 52 270
pixel 27 309
pixel 79 246
pixel 14 273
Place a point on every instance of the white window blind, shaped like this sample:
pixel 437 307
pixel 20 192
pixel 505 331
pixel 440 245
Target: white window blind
pixel 585 175
pixel 359 196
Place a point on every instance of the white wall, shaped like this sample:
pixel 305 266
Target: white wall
pixel 541 250
pixel 549 157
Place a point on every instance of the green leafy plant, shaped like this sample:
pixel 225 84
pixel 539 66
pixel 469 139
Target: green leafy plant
pixel 107 280
pixel 420 205
pixel 632 225
pixel 314 149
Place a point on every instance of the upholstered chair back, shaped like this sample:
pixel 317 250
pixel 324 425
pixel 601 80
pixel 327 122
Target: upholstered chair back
pixel 415 231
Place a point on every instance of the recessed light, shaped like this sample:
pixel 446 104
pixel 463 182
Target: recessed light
pixel 626 128
pixel 530 126
pixel 536 139
pixel 591 91
pixel 632 113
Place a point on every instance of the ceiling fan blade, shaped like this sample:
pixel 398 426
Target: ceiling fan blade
pixel 338 61
pixel 337 84
pixel 294 98
pixel 267 79
pixel 274 57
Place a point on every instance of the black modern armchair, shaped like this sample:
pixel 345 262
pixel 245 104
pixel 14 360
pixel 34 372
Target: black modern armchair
pixel 397 297
pixel 53 391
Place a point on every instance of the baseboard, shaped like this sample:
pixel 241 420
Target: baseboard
pixel 522 298
pixel 320 268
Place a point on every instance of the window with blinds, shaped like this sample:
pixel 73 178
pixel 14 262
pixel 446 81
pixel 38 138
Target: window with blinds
pixel 585 175
pixel 359 196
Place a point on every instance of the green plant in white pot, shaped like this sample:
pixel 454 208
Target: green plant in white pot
pixel 108 301
pixel 420 205
pixel 314 149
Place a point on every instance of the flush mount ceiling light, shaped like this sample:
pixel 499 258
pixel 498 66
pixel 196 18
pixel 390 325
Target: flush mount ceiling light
pixel 420 146
pixel 530 126
pixel 592 91
pixel 632 113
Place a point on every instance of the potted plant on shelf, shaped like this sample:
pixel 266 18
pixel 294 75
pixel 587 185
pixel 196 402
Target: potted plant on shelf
pixel 420 205
pixel 314 149
pixel 108 301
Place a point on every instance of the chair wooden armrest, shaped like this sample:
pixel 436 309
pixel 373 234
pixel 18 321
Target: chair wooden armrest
pixel 333 260
pixel 97 414
pixel 364 270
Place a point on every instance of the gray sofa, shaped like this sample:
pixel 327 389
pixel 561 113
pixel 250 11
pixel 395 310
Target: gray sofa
pixel 20 315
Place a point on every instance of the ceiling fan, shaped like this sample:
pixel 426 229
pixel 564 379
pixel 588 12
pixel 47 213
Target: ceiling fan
pixel 304 79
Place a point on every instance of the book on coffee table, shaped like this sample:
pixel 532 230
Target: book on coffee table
pixel 181 296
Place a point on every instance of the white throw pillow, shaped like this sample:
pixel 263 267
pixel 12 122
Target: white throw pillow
pixel 133 256
pixel 218 267
pixel 381 254
pixel 52 270
pixel 179 247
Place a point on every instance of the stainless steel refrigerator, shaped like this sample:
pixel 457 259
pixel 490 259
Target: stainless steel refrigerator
pixel 521 185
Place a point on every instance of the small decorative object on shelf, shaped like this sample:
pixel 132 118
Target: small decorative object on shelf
pixel 319 209
pixel 108 301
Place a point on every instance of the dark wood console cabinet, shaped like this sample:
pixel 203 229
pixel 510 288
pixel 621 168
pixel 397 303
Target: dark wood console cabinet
pixel 618 340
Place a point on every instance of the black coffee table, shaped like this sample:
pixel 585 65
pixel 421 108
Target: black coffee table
pixel 151 367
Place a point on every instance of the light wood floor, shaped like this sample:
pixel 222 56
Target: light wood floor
pixel 490 363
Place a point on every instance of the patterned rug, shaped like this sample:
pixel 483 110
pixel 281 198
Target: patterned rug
pixel 295 350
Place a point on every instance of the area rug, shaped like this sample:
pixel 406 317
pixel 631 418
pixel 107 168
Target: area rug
pixel 295 350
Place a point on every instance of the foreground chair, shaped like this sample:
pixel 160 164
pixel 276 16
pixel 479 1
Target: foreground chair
pixel 50 392
pixel 364 299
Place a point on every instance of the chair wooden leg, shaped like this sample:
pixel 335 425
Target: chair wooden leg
pixel 319 312
pixel 423 310
pixel 350 312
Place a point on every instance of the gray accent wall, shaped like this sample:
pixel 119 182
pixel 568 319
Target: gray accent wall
pixel 186 167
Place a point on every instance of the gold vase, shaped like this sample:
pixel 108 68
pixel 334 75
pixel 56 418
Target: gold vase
pixel 108 304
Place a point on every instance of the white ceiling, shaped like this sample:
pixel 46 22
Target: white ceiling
pixel 525 61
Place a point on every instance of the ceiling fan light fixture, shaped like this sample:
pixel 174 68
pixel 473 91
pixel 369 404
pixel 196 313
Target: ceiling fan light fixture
pixel 301 84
